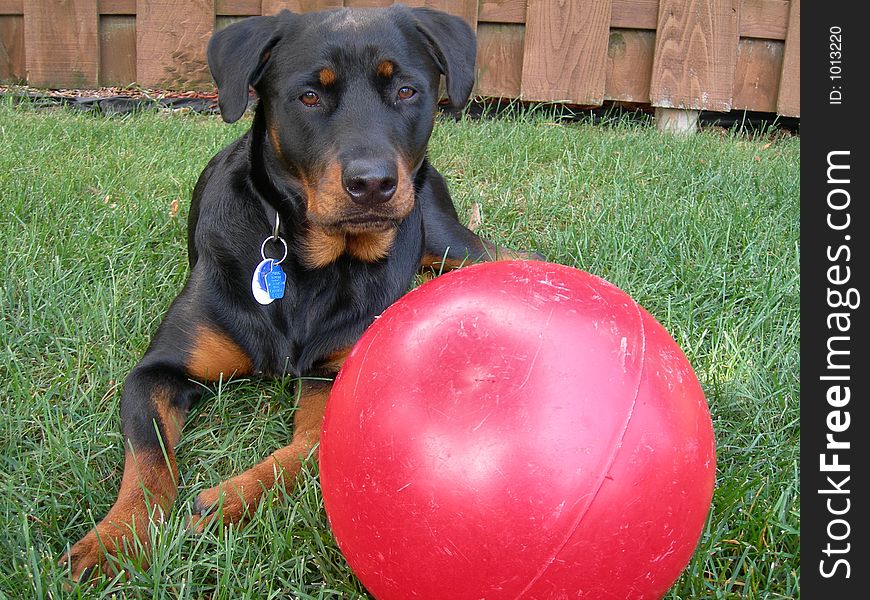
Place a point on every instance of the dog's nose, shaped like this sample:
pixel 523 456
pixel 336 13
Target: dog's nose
pixel 370 182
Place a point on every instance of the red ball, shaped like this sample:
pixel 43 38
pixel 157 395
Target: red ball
pixel 517 429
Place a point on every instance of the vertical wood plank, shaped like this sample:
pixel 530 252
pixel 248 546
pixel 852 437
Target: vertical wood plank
pixel 62 43
pixel 117 49
pixel 678 121
pixel 13 67
pixel 270 7
pixel 171 41
pixel 696 52
pixel 499 60
pixel 565 51
pixel 629 65
pixel 756 76
pixel 789 101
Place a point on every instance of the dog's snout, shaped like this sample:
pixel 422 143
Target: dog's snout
pixel 370 182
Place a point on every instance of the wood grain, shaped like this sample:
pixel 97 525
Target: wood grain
pixel 467 9
pixel 117 7
pixel 764 19
pixel 634 14
pixel 11 7
pixel 62 43
pixel 767 19
pixel 629 65
pixel 789 101
pixel 499 59
pixel 13 68
pixel 502 11
pixel 367 3
pixel 171 41
pixel 238 8
pixel 696 52
pixel 687 54
pixel 117 49
pixel 756 76
pixel 565 51
pixel 270 7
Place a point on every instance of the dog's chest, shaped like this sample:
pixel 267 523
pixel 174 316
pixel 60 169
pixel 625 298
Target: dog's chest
pixel 325 311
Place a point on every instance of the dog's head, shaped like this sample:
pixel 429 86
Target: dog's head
pixel 349 98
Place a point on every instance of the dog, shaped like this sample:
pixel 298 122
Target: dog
pixel 300 233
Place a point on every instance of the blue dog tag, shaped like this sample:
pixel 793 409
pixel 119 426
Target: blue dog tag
pixel 268 281
pixel 275 280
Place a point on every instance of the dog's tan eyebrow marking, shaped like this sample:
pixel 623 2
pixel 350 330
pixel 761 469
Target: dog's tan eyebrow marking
pixel 386 68
pixel 327 77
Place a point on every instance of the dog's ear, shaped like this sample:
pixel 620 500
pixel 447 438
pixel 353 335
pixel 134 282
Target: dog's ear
pixel 237 57
pixel 454 47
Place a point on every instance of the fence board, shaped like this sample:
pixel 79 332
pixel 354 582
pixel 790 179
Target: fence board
pixel 565 51
pixel 629 65
pixel 270 7
pixel 691 54
pixel 12 60
pixel 238 8
pixel 499 59
pixel 12 7
pixel 62 43
pixel 634 14
pixel 767 19
pixel 117 7
pixel 502 11
pixel 756 75
pixel 467 9
pixel 789 101
pixel 171 40
pixel 367 3
pixel 696 51
pixel 117 49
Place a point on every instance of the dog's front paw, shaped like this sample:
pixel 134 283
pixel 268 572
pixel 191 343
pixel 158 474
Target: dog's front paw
pixel 89 556
pixel 226 503
pixel 532 255
pixel 509 254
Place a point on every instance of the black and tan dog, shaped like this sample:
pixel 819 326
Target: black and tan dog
pixel 333 172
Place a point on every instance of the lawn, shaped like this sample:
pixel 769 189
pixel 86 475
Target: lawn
pixel 702 231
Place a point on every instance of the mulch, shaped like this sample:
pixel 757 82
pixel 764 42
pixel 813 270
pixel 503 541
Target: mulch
pixel 123 100
pixel 115 100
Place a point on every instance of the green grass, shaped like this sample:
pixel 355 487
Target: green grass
pixel 701 230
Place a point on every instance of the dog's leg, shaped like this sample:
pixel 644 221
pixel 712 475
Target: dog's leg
pixel 157 395
pixel 153 408
pixel 238 497
pixel 449 244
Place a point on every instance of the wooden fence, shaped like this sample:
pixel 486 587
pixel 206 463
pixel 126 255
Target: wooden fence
pixel 716 55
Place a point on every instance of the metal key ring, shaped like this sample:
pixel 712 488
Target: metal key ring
pixel 263 249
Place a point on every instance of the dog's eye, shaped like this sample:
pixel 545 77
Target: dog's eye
pixel 406 93
pixel 309 99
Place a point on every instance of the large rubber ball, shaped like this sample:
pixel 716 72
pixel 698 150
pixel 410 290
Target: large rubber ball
pixel 517 430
